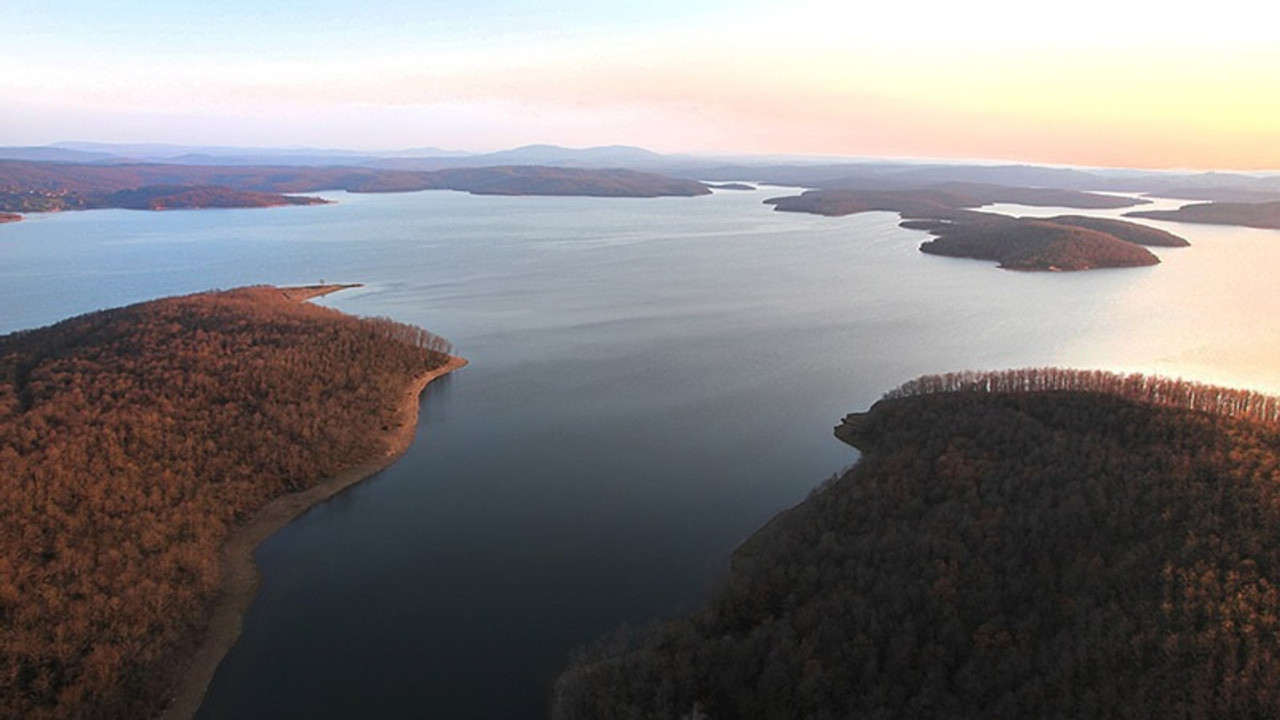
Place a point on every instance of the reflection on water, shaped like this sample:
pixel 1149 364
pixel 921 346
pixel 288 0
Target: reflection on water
pixel 650 380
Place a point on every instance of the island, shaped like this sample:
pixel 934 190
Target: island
pixel 924 203
pixel 1027 543
pixel 1031 243
pixel 1060 243
pixel 150 197
pixel 172 197
pixel 145 450
pixel 1264 215
pixel 941 200
pixel 1123 230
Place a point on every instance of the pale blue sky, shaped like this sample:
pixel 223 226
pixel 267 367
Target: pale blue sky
pixel 1097 83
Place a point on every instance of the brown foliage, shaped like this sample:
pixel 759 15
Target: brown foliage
pixel 1030 244
pixel 1040 543
pixel 132 441
pixel 1147 389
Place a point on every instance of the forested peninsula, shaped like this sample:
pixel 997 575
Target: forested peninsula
pixel 138 444
pixel 1036 543
pixel 32 186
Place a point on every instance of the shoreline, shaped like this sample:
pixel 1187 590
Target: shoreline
pixel 197 663
pixel 302 293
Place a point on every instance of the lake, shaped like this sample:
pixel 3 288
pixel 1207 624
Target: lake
pixel 650 381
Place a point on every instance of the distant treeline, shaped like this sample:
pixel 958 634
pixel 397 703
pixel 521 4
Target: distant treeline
pixel 27 186
pixel 132 441
pixel 1029 544
pixel 1154 390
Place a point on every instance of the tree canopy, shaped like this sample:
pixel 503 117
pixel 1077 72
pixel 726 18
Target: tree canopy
pixel 1040 543
pixel 133 440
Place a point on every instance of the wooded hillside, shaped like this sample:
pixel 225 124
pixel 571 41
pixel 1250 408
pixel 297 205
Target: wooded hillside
pixel 1040 544
pixel 133 440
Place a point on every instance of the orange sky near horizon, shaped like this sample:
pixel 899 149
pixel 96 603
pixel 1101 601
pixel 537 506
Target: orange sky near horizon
pixel 1094 85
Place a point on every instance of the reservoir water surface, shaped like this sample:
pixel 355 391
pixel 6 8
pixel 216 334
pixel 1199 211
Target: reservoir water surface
pixel 650 381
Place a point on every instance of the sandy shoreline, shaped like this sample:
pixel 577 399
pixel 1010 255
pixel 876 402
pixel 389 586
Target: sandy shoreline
pixel 195 669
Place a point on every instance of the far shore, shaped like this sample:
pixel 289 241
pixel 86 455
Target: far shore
pixel 195 665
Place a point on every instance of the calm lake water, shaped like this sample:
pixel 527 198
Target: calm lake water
pixel 651 380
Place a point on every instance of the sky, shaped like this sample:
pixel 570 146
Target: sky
pixel 1090 83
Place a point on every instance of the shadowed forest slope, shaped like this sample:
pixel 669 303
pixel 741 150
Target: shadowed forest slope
pixel 1107 550
pixel 133 440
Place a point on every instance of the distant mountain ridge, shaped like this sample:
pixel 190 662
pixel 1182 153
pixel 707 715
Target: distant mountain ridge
pixel 422 158
pixel 798 171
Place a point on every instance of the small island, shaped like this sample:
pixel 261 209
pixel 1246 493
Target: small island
pixel 1031 244
pixel 1038 543
pixel 145 450
pixel 1265 215
pixel 925 203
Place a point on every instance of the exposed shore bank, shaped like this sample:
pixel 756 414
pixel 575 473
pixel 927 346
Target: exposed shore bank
pixel 195 666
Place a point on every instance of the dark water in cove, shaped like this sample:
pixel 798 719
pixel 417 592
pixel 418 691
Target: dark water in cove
pixel 651 380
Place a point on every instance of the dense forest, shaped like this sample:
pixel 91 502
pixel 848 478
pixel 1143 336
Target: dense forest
pixel 1035 543
pixel 1148 389
pixel 133 440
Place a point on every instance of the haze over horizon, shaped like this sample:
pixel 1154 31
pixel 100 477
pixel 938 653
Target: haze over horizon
pixel 1101 85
